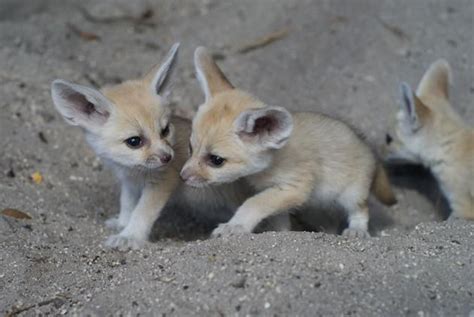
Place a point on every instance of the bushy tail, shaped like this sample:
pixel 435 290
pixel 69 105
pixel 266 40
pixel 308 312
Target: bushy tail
pixel 381 187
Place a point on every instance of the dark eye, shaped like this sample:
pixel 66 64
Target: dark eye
pixel 190 149
pixel 388 139
pixel 216 160
pixel 134 142
pixel 165 131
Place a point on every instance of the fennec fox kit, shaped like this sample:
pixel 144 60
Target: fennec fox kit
pixel 131 129
pixel 428 131
pixel 292 160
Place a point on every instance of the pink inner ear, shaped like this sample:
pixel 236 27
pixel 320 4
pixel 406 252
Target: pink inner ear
pixel 88 108
pixel 81 103
pixel 264 124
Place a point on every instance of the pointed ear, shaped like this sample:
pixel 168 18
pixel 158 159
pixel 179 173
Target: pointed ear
pixel 270 126
pixel 80 105
pixel 436 80
pixel 415 112
pixel 160 74
pixel 210 76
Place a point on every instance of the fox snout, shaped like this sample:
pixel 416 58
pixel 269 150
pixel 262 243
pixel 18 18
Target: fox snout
pixel 190 177
pixel 163 158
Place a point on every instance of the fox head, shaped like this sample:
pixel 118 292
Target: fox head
pixel 234 134
pixel 425 118
pixel 128 124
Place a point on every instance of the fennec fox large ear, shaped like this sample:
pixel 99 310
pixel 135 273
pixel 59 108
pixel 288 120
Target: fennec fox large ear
pixel 269 127
pixel 436 80
pixel 80 105
pixel 415 113
pixel 210 76
pixel 160 74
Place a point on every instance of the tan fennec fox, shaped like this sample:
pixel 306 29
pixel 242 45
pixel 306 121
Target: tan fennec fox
pixel 292 160
pixel 428 131
pixel 130 128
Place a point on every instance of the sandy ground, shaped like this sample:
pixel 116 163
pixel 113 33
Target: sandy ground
pixel 343 58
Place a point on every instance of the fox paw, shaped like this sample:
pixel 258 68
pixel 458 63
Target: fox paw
pixel 355 233
pixel 227 230
pixel 124 243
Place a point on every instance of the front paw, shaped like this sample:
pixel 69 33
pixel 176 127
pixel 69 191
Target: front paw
pixel 355 233
pixel 123 242
pixel 114 224
pixel 227 230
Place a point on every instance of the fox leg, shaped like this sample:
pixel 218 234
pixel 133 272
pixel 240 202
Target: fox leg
pixel 355 205
pixel 358 220
pixel 129 195
pixel 269 202
pixel 153 199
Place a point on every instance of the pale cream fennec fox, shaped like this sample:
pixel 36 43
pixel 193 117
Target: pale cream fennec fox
pixel 428 131
pixel 130 127
pixel 292 160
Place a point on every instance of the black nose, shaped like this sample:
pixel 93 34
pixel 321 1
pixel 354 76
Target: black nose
pixel 165 158
pixel 388 139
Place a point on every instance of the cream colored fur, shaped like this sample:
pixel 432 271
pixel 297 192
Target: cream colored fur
pixel 137 108
pixel 292 160
pixel 428 131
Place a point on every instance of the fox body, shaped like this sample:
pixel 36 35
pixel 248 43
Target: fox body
pixel 131 128
pixel 292 160
pixel 428 131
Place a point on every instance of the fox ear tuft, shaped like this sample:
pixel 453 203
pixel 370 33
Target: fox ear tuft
pixel 80 105
pixel 160 74
pixel 436 80
pixel 209 75
pixel 269 127
pixel 415 112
